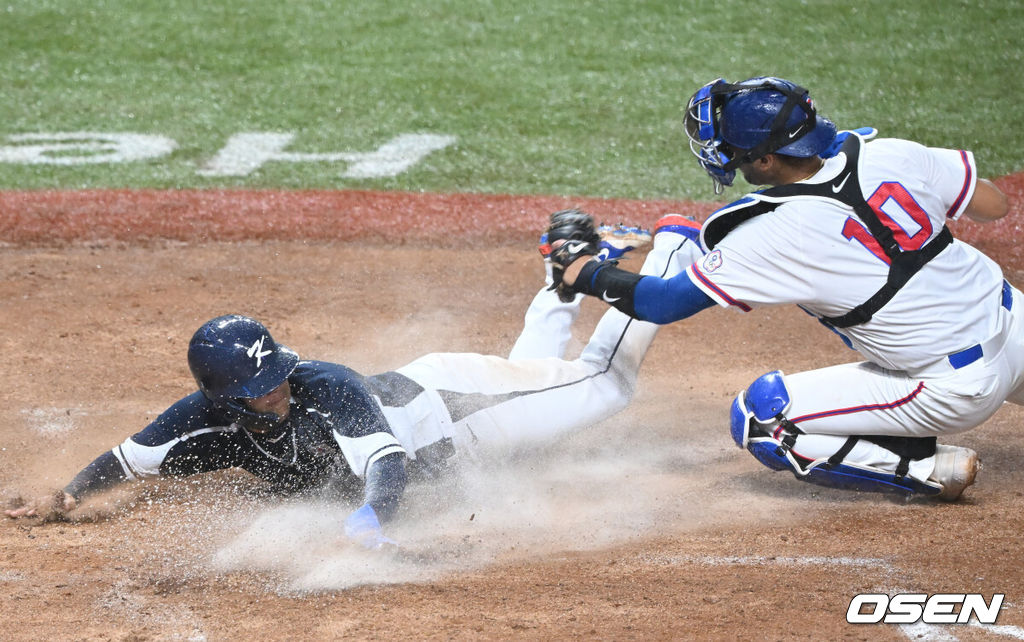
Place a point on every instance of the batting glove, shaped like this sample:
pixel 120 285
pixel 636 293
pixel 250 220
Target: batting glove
pixel 363 527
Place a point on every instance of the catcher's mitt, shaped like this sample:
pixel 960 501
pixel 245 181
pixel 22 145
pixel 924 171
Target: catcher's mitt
pixel 576 228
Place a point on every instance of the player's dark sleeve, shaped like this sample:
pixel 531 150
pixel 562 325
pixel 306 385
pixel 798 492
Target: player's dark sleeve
pixel 167 442
pixel 385 483
pixel 362 432
pixel 647 298
pixel 104 472
pixel 188 438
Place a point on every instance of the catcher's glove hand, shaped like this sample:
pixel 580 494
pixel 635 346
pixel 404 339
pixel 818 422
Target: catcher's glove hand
pixel 576 228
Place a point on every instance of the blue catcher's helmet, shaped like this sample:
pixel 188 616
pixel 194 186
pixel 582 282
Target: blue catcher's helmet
pixel 733 123
pixel 234 358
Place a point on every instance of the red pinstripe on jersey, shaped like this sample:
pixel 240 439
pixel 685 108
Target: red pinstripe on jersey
pixel 717 290
pixel 968 181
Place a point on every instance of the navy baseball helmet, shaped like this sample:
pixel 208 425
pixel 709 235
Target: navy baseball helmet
pixel 733 123
pixel 234 358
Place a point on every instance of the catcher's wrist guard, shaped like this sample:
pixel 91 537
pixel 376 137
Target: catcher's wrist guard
pixel 606 281
pixel 576 228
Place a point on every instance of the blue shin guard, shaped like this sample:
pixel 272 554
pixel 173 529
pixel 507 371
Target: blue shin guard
pixel 846 476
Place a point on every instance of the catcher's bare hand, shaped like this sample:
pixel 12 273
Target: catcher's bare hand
pixel 48 507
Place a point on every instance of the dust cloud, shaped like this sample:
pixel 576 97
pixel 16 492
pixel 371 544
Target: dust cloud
pixel 580 493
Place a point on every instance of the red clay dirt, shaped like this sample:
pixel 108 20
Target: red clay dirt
pixel 651 525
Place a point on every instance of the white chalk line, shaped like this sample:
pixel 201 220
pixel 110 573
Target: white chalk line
pixel 52 421
pixel 921 632
pixel 1004 630
pixel 773 560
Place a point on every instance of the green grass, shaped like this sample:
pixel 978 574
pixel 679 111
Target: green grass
pixel 546 97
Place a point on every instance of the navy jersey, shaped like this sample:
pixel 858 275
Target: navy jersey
pixel 334 429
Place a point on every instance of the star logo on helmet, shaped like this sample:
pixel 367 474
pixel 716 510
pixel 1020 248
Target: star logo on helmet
pixel 257 352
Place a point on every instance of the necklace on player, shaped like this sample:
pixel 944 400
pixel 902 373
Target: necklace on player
pixel 821 164
pixel 281 460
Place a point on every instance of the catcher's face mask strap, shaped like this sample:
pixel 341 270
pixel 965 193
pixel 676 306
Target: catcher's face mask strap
pixel 779 134
pixel 795 97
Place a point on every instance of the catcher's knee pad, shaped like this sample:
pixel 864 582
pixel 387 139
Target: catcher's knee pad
pixel 759 408
pixel 758 423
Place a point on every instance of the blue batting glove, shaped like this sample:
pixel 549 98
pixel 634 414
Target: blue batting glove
pixel 867 133
pixel 363 527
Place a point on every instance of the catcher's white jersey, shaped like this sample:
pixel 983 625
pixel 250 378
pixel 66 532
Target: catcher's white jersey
pixel 816 253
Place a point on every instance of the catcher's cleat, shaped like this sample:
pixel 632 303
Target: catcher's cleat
pixel 955 469
pixel 679 224
pixel 616 240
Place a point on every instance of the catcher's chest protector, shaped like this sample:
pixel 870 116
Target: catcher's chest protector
pixel 845 188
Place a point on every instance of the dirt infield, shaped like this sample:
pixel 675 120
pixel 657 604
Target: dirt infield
pixel 651 525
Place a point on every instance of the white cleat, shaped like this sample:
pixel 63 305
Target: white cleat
pixel 955 469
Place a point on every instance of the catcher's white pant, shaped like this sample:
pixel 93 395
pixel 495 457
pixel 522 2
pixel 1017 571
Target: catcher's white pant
pixel 861 398
pixel 534 396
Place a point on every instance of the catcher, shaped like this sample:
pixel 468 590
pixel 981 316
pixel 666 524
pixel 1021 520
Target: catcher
pixel 854 232
pixel 300 424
